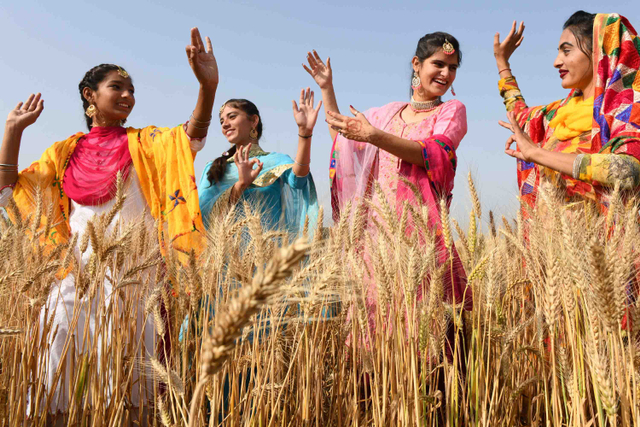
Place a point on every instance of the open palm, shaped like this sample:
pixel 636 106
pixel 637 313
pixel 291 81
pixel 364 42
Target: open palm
pixel 26 113
pixel 320 72
pixel 304 114
pixel 201 60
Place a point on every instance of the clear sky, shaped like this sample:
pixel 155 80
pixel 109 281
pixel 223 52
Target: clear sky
pixel 260 45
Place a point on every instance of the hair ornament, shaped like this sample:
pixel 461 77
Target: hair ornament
pixel 448 48
pixel 122 72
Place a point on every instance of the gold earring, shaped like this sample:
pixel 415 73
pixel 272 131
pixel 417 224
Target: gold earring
pixel 415 81
pixel 91 111
pixel 253 134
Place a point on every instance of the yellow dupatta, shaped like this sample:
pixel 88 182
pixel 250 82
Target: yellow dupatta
pixel 163 160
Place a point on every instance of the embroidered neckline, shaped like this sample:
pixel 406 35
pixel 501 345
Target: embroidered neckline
pixel 255 151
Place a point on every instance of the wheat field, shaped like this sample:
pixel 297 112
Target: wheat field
pixel 278 333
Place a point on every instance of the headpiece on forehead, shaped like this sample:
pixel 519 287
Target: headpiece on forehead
pixel 448 48
pixel 122 72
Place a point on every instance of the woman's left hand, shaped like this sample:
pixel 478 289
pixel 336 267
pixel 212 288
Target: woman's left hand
pixel 305 115
pixel 526 148
pixel 201 60
pixel 356 128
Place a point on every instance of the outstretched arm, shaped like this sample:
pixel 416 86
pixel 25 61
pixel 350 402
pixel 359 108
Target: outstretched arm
pixel 323 75
pixel 305 116
pixel 24 115
pixel 503 50
pixel 358 128
pixel 205 68
pixel 529 152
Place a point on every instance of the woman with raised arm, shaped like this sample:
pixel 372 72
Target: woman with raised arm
pixel 408 148
pixel 587 142
pixel 280 187
pixel 77 176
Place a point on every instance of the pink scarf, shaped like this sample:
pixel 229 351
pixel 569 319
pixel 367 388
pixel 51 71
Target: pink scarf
pixel 90 177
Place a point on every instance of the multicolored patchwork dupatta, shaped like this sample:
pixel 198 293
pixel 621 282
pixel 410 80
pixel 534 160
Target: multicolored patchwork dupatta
pixel 616 112
pixel 163 160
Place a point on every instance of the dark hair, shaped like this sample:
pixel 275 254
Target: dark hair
pixel 92 79
pixel 430 43
pixel 219 166
pixel 581 25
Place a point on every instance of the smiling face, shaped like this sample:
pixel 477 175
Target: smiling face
pixel 114 99
pixel 236 125
pixel 574 66
pixel 436 73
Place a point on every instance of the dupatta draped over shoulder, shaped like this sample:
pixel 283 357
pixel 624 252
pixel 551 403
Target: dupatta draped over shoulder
pixel 163 161
pixel 616 110
pixel 354 168
pixel 284 199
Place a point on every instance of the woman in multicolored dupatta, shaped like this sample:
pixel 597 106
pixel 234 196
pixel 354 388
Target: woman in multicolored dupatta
pixel 589 141
pixel 77 176
pixel 280 187
pixel 402 142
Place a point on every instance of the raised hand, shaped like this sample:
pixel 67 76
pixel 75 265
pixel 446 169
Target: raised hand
pixel 503 50
pixel 525 146
pixel 246 173
pixel 320 72
pixel 201 60
pixel 26 113
pixel 305 115
pixel 356 128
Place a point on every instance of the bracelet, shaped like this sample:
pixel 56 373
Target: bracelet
pixel 577 162
pixel 7 186
pixel 199 127
pixel 302 164
pixel 305 137
pixel 504 69
pixel 8 165
pixel 200 121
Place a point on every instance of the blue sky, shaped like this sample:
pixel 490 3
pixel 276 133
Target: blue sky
pixel 48 46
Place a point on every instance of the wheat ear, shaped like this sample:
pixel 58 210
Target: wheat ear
pixel 219 345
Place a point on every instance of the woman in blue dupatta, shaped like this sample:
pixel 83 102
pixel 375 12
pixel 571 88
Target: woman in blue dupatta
pixel 281 187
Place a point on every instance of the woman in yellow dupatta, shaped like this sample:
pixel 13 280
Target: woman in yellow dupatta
pixel 77 176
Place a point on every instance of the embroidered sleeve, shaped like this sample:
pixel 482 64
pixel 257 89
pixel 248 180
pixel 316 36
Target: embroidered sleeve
pixel 607 169
pixel 511 96
pixel 196 144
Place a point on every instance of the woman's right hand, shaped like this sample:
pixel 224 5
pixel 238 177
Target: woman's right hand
pixel 503 50
pixel 320 72
pixel 246 173
pixel 26 113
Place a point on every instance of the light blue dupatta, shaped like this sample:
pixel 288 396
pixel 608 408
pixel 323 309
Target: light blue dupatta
pixel 285 200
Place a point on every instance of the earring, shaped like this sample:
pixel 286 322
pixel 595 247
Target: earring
pixel 415 81
pixel 91 111
pixel 253 134
pixel 453 92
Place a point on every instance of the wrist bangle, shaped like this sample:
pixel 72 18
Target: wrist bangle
pixel 9 165
pixel 302 164
pixel 305 137
pixel 200 121
pixel 198 127
pixel 577 162
pixel 504 69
